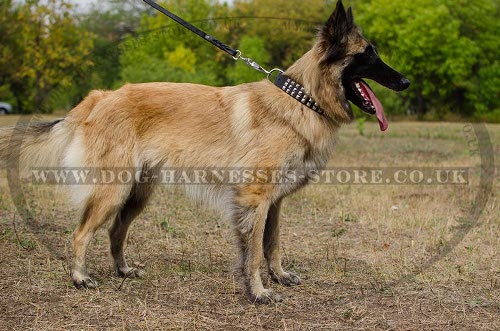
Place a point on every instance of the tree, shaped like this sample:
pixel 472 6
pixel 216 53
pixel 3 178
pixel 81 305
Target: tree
pixel 9 49
pixel 288 27
pixel 48 48
pixel 164 51
pixel 277 43
pixel 109 25
pixel 254 48
pixel 437 44
pixel 480 23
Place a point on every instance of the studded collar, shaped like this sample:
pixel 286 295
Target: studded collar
pixel 298 92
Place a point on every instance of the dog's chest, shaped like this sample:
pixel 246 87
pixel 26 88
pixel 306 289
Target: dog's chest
pixel 301 171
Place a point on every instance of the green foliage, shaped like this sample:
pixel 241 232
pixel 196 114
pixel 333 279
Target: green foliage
pixel 444 47
pixel 164 51
pixel 108 29
pixel 165 226
pixel 43 49
pixel 361 125
pixel 6 94
pixel 8 49
pixel 51 56
pixel 255 49
pixel 288 26
pixel 182 58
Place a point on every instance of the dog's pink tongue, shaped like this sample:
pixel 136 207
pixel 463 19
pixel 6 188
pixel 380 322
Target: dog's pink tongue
pixel 382 121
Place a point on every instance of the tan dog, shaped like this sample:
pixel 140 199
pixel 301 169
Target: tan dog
pixel 256 125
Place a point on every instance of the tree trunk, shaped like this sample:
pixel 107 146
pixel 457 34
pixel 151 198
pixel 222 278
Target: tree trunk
pixel 421 107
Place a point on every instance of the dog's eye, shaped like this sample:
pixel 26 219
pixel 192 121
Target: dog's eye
pixel 370 53
pixel 370 50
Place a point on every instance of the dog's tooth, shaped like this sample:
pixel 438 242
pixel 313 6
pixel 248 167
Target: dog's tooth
pixel 358 86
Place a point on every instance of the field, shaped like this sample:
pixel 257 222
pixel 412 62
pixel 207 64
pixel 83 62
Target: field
pixel 386 257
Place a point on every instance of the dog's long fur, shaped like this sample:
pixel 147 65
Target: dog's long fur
pixel 184 125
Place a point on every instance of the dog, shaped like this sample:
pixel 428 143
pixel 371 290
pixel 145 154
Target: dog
pixel 256 125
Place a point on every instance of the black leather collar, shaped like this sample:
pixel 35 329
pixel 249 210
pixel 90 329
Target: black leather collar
pixel 298 92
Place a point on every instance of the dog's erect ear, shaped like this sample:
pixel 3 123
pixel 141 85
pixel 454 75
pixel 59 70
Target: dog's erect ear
pixel 334 34
pixel 350 17
pixel 339 24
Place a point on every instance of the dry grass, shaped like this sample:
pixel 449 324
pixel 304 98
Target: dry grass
pixel 351 244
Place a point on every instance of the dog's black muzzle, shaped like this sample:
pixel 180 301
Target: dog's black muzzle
pixel 369 65
pixel 386 76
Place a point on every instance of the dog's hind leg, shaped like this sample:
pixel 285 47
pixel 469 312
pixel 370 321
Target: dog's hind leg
pixel 103 205
pixel 272 251
pixel 118 232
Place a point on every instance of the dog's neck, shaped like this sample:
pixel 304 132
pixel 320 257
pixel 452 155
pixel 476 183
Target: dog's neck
pixel 325 87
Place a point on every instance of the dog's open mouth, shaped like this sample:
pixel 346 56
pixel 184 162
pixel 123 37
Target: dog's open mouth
pixel 360 93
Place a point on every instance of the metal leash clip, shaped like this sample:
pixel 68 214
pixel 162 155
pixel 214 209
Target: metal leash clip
pixel 251 63
pixel 279 71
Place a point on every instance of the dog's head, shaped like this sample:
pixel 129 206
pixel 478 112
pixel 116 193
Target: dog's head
pixel 346 56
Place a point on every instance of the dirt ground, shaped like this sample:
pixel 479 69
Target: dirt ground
pixel 372 257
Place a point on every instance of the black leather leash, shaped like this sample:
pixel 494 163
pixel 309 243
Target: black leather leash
pixel 192 28
pixel 282 81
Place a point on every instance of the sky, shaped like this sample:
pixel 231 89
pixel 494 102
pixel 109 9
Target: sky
pixel 83 4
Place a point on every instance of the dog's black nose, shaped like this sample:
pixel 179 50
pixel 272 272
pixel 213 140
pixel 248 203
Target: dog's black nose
pixel 405 83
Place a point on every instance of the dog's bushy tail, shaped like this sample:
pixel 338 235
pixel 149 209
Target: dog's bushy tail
pixel 34 144
pixel 44 144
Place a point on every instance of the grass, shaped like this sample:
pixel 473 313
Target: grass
pixel 355 247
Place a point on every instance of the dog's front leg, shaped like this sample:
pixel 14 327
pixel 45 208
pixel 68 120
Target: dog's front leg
pixel 250 225
pixel 272 248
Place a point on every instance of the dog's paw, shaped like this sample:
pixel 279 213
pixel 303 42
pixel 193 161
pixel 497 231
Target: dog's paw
pixel 130 272
pixel 86 282
pixel 286 279
pixel 81 279
pixel 265 297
